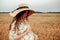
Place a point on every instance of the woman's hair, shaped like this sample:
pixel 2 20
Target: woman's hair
pixel 20 17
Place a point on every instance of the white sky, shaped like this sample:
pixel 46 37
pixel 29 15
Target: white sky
pixel 37 5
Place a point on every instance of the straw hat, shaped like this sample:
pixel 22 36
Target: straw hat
pixel 22 7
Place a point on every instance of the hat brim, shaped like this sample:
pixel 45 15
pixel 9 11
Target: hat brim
pixel 20 10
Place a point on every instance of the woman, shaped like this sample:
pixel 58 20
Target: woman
pixel 20 28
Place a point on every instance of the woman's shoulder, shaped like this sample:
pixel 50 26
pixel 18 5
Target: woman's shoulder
pixel 24 25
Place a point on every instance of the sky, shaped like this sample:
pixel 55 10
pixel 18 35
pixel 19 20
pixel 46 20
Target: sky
pixel 37 5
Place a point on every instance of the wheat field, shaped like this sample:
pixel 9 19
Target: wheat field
pixel 46 26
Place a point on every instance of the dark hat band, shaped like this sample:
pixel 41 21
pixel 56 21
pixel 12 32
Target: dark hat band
pixel 22 7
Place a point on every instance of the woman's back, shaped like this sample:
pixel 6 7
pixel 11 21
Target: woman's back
pixel 22 28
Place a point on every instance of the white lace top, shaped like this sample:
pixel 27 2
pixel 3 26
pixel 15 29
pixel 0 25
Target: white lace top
pixel 22 28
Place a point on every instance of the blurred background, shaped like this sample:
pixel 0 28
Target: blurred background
pixel 38 5
pixel 45 22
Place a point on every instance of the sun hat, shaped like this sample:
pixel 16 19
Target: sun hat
pixel 22 7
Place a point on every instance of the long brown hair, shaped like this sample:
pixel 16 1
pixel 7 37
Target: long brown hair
pixel 20 17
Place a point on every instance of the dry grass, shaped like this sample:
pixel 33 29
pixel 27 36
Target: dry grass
pixel 46 26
